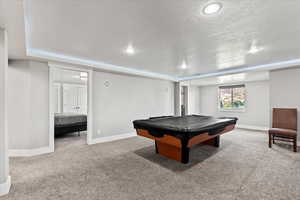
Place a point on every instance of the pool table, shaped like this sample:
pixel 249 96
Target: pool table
pixel 175 135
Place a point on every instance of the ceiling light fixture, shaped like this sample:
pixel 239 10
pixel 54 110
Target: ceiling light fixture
pixel 212 8
pixel 254 48
pixel 130 50
pixel 184 65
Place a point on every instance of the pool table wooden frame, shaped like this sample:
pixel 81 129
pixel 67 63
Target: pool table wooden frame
pixel 177 149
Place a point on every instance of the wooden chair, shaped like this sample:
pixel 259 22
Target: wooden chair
pixel 284 126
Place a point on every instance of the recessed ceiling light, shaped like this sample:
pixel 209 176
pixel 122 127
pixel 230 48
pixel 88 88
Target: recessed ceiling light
pixel 130 50
pixel 183 66
pixel 212 8
pixel 254 48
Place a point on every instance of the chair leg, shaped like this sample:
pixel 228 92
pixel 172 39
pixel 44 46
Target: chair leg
pixel 273 139
pixel 295 144
pixel 270 140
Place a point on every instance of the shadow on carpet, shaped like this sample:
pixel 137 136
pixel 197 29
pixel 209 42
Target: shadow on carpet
pixel 198 154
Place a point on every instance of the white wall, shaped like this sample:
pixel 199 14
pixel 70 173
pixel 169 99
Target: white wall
pixel 257 104
pixel 28 108
pixel 285 89
pixel 4 178
pixel 194 99
pixel 128 98
pixel 125 99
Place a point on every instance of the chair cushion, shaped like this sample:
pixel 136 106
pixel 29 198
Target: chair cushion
pixel 283 132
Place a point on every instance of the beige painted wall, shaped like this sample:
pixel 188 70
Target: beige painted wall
pixel 257 105
pixel 130 97
pixel 285 89
pixel 125 99
pixel 28 108
pixel 194 100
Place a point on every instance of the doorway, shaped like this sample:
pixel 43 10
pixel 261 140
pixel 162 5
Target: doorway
pixel 184 100
pixel 70 105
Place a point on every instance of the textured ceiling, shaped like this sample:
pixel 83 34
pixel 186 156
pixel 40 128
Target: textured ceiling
pixel 166 32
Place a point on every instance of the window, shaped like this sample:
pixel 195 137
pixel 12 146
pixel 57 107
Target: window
pixel 232 97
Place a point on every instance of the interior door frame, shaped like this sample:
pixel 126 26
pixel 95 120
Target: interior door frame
pixel 57 66
pixel 184 90
pixel 187 91
pixel 59 95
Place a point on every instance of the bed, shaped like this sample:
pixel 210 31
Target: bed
pixel 69 123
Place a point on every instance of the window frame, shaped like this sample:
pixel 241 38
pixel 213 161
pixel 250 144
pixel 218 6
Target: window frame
pixel 231 109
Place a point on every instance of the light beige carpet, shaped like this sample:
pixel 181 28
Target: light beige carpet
pixel 242 168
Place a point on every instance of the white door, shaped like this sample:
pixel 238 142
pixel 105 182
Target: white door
pixel 74 98
pixel 82 99
pixel 69 98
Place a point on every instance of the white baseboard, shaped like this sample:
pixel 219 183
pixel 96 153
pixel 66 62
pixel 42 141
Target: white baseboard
pixel 29 152
pixel 112 138
pixel 5 187
pixel 250 127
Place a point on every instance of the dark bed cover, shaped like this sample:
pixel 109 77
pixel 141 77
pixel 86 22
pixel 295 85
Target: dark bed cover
pixel 184 126
pixel 64 119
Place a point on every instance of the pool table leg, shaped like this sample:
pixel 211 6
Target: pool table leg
pixel 217 141
pixel 156 148
pixel 185 152
pixel 213 142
